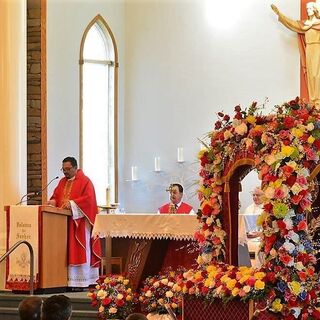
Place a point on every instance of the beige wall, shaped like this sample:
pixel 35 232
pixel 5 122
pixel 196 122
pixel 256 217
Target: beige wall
pixel 13 109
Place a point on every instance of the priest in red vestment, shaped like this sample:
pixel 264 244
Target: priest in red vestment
pixel 176 205
pixel 75 192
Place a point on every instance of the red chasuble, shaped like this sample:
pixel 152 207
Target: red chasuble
pixel 184 208
pixel 81 191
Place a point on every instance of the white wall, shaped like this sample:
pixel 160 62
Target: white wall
pixel 177 69
pixel 66 23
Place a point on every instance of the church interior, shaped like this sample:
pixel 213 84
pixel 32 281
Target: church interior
pixel 152 113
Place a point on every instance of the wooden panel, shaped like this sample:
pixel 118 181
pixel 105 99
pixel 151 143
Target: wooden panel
pixel 53 263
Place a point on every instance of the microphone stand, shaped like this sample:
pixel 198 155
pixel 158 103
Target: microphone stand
pixel 31 195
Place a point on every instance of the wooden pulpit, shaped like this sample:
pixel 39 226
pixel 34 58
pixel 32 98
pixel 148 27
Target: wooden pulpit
pixel 45 228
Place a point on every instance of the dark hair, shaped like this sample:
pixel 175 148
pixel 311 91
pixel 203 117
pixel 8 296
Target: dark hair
pixel 57 307
pixel 30 308
pixel 72 160
pixel 179 187
pixel 136 316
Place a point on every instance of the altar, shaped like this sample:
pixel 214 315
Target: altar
pixel 148 243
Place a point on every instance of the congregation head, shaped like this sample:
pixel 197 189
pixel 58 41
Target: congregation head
pixel 30 308
pixel 136 316
pixel 57 307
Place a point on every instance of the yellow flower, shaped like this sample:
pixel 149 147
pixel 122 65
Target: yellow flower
pixel 297 133
pixel 125 281
pixel 259 275
pixel 169 294
pixel 128 298
pixel 287 151
pixel 201 153
pixel 129 290
pixel 276 305
pixel 311 139
pixel 198 275
pixel 244 278
pixel 174 305
pixel 251 119
pixel 231 284
pixel 295 287
pixel 235 291
pixel 89 294
pixel 211 268
pixel 208 282
pixel 259 285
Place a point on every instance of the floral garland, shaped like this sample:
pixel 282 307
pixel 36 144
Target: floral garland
pixel 285 147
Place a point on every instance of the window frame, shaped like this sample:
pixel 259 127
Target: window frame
pixel 103 24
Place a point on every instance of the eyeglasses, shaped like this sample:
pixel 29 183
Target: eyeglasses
pixel 66 169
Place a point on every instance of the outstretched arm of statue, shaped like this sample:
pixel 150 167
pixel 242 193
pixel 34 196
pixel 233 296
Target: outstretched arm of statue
pixel 287 22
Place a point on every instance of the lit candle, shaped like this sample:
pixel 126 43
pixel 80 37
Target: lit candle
pixel 108 197
pixel 180 154
pixel 134 173
pixel 157 167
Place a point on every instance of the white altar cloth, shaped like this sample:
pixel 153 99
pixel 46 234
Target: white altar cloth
pixel 145 226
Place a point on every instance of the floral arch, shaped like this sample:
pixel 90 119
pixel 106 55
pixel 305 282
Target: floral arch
pixel 284 147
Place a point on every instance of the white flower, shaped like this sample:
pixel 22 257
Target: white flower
pixel 148 294
pixel 227 135
pixel 209 221
pixel 156 284
pixel 164 281
pixel 299 266
pixel 101 309
pixel 241 129
pixel 310 126
pixel 119 296
pixel 289 246
pixel 101 294
pixel 170 284
pixel 169 294
pixel 113 310
pixel 293 236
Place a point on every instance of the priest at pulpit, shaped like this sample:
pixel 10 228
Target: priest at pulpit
pixel 176 205
pixel 76 192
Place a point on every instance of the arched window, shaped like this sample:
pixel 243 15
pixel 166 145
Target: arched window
pixel 98 108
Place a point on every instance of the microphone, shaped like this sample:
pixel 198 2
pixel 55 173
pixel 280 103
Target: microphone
pixel 31 195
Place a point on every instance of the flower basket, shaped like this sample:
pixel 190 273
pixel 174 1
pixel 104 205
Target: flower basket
pixel 113 297
pixel 160 292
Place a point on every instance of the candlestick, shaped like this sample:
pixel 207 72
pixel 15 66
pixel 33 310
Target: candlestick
pixel 108 197
pixel 134 173
pixel 180 154
pixel 157 167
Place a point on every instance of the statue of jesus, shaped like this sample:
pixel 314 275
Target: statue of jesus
pixel 309 46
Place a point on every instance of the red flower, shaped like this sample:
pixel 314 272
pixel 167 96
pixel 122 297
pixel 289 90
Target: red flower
pixel 271 277
pixel 226 118
pixel 106 301
pixel 237 108
pixel 316 143
pixel 206 210
pixel 288 122
pixel 217 125
pixel 287 171
pixel 268 207
pixel 291 180
pixel 302 225
pixel 269 241
pixel 120 303
pixel 281 224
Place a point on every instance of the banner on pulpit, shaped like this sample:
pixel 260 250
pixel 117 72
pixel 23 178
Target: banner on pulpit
pixel 22 224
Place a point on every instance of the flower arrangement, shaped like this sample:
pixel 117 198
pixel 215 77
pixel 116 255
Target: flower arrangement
pixel 160 291
pixel 285 147
pixel 113 296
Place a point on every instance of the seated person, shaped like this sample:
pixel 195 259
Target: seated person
pixel 30 308
pixel 252 212
pixel 176 205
